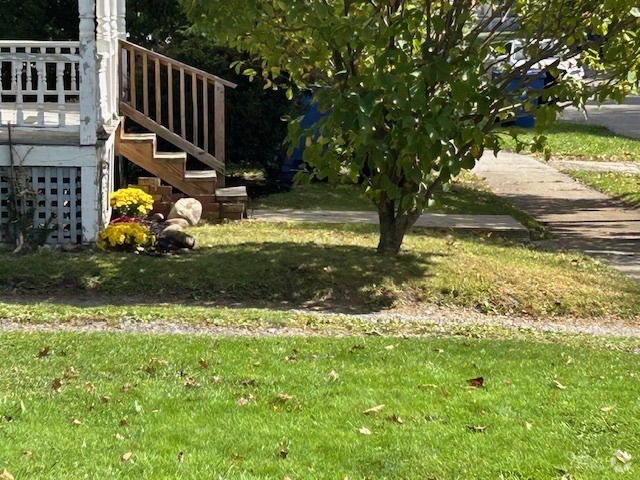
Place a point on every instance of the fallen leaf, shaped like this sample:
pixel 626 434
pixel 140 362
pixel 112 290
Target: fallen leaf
pixel 89 386
pixel 444 393
pixel 119 437
pixel 191 383
pixel 106 399
pixel 477 382
pixel 5 475
pixel 283 397
pixel 125 388
pixel 606 409
pixel 507 383
pixel 27 453
pixel 569 361
pixel 43 353
pixel 180 457
pixel 394 419
pixel 124 422
pixel 56 384
pixel 375 409
pixel 242 401
pixel 252 382
pixel 622 456
pixel 333 375
pixel 283 453
pixel 203 363
pixel 559 385
pixel 125 456
pixel 476 428
pixel 71 374
pixel 76 422
pixel 365 431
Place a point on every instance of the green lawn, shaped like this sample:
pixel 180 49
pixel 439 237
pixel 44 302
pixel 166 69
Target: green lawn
pixel 324 266
pixel 586 142
pixel 155 407
pixel 621 186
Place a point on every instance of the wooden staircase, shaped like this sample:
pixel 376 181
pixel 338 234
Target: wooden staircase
pixel 183 105
pixel 141 149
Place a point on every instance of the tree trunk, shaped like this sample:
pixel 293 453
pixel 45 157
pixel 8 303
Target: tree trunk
pixel 393 227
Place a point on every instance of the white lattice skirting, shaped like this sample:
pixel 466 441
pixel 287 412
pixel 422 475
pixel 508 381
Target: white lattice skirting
pixel 55 200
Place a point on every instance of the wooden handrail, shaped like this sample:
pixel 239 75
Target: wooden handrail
pixel 167 60
pixel 174 97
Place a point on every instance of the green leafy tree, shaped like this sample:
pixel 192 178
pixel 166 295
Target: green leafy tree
pixel 406 83
pixel 39 19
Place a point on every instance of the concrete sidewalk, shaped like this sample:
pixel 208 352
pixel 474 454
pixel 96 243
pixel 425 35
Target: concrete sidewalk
pixel 623 119
pixel 582 218
pixel 501 224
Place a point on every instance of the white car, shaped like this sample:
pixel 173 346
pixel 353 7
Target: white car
pixel 515 56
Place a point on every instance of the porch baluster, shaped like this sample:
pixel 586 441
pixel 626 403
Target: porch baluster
pixel 61 94
pixel 19 95
pixel 41 79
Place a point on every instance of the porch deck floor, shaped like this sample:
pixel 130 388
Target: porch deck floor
pixel 48 134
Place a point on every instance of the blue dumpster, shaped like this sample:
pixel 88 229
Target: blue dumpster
pixel 526 119
pixel 311 116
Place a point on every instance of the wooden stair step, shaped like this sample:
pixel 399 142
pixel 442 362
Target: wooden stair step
pixel 200 175
pixel 170 157
pixel 138 137
pixel 232 194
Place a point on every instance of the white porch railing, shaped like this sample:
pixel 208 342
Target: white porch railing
pixel 40 83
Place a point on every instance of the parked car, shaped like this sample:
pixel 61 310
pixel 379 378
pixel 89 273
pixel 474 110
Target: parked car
pixel 515 55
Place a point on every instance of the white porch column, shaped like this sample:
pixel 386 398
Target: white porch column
pixel 103 42
pixel 88 77
pixel 122 35
pixel 114 60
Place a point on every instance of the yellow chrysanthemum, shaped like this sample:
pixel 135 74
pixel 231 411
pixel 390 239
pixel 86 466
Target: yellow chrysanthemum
pixel 123 234
pixel 132 202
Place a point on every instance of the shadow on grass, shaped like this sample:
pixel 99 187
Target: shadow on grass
pixel 275 275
